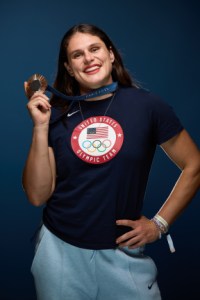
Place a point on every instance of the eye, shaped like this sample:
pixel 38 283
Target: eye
pixel 77 55
pixel 94 49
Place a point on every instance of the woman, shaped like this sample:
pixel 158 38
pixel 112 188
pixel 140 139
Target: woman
pixel 89 164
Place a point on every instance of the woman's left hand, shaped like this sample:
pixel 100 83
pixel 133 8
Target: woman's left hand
pixel 143 231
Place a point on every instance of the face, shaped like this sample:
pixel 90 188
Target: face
pixel 89 61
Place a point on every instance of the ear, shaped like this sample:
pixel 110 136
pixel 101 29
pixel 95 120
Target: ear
pixel 68 68
pixel 112 57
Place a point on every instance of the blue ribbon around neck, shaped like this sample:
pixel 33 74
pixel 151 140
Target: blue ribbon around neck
pixel 95 93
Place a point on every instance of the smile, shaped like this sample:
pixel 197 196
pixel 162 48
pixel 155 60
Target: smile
pixel 92 69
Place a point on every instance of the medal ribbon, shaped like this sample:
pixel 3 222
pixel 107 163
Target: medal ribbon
pixel 95 93
pixel 38 82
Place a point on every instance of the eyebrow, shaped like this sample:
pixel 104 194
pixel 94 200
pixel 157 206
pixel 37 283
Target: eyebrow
pixel 91 45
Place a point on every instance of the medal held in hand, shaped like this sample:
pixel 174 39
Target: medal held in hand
pixel 38 82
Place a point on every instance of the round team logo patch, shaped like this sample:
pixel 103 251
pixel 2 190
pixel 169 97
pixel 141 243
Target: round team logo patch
pixel 97 140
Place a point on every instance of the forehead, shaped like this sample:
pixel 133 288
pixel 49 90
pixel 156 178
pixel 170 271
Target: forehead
pixel 82 40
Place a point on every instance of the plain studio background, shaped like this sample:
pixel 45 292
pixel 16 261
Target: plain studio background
pixel 160 45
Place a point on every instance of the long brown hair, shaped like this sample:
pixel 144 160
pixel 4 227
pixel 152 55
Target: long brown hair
pixel 68 84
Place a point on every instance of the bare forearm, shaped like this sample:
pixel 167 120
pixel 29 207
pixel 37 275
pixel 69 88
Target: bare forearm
pixel 181 195
pixel 37 175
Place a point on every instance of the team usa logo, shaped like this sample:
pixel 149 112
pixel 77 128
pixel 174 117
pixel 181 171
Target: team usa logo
pixel 97 140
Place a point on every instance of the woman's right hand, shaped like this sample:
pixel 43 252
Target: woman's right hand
pixel 39 108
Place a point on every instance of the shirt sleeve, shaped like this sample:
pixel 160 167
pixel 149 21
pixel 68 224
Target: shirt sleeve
pixel 166 123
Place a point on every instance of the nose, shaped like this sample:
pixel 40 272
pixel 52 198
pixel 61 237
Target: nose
pixel 88 57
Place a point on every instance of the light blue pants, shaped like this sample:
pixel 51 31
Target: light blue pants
pixel 64 272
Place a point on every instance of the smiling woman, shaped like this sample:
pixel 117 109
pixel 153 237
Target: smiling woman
pixel 89 61
pixel 66 82
pixel 89 164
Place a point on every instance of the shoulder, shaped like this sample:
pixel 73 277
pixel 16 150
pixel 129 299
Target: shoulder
pixel 140 96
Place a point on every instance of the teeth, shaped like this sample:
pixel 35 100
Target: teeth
pixel 91 69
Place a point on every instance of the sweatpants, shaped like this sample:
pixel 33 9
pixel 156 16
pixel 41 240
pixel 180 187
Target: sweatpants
pixel 62 271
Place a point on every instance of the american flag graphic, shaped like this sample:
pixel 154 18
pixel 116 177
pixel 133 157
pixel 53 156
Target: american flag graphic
pixel 97 132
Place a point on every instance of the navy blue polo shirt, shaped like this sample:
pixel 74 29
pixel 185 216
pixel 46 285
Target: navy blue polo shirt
pixel 89 198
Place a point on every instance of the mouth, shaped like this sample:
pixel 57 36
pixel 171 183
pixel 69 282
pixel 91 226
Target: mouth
pixel 92 69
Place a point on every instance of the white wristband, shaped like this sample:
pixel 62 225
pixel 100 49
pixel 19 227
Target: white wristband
pixel 170 243
pixel 163 226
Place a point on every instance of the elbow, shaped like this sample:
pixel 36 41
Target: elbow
pixel 198 175
pixel 36 199
pixel 36 202
pixel 196 168
pixel 37 196
pixel 193 171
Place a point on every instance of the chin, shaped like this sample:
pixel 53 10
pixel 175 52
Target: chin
pixel 90 86
pixel 96 84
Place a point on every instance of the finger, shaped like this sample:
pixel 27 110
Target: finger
pixel 39 94
pixel 136 245
pixel 125 237
pixel 130 243
pixel 34 101
pixel 125 222
pixel 39 97
pixel 38 103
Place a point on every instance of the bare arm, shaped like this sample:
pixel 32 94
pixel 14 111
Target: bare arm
pixel 40 171
pixel 185 154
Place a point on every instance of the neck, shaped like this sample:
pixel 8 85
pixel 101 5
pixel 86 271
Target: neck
pixel 100 97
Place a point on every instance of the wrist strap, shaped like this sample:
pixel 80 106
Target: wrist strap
pixel 163 227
